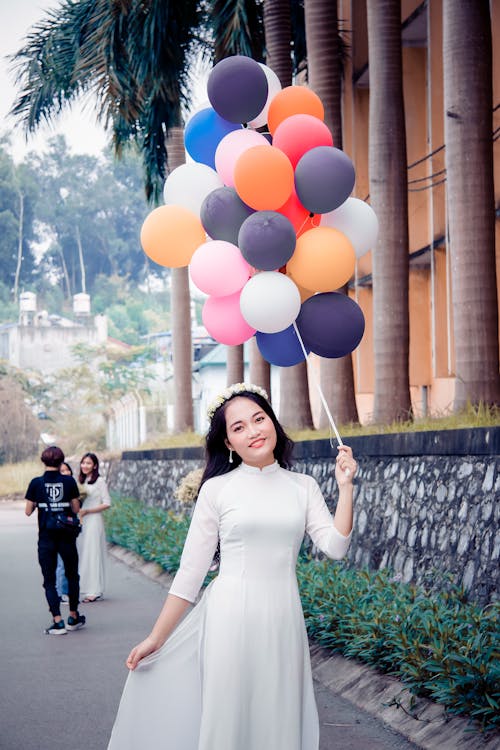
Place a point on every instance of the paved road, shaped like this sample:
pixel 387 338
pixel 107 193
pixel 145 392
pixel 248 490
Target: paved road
pixel 61 693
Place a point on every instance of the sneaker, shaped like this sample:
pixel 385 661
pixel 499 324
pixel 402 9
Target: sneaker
pixel 65 598
pixel 56 628
pixel 75 623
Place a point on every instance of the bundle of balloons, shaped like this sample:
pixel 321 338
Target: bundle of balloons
pixel 263 217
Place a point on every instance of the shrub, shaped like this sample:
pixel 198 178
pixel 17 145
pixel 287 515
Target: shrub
pixel 438 645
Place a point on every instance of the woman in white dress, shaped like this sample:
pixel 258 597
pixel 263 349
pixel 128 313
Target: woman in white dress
pixel 92 541
pixel 235 673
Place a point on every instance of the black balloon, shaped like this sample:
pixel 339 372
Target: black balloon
pixel 324 179
pixel 237 88
pixel 222 214
pixel 331 324
pixel 267 240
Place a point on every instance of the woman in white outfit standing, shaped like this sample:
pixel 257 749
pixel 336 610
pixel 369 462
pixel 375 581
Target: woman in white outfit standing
pixel 92 541
pixel 235 673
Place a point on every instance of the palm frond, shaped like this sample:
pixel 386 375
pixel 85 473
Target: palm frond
pixel 237 27
pixel 132 55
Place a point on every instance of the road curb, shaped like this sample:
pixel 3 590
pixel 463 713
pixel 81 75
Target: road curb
pixel 419 720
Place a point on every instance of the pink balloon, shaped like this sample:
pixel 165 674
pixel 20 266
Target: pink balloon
pixel 299 133
pixel 218 267
pixel 223 320
pixel 230 149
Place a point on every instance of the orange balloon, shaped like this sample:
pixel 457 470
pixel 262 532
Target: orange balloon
pixel 263 178
pixel 294 100
pixel 170 235
pixel 323 260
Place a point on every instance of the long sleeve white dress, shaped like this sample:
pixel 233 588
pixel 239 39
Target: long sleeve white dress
pixel 235 674
pixel 92 551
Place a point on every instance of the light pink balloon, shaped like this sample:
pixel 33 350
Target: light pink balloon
pixel 223 320
pixel 218 268
pixel 230 149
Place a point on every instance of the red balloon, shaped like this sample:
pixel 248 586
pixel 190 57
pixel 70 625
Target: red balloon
pixel 297 134
pixel 300 217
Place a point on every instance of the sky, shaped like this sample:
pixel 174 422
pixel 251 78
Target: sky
pixel 78 125
pixel 83 133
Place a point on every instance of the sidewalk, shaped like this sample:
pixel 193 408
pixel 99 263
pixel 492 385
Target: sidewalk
pixel 61 692
pixel 350 694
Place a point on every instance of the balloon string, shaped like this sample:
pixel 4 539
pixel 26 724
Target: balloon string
pixel 309 217
pixel 318 386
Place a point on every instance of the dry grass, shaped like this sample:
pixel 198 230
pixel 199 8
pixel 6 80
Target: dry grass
pixel 14 478
pixel 472 416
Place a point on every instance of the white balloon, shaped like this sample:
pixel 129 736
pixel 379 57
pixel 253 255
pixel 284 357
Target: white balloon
pixel 270 301
pixel 189 185
pixel 273 86
pixel 358 221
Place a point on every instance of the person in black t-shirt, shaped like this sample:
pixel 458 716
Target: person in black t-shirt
pixel 61 494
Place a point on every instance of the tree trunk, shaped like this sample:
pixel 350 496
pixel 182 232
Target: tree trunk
pixel 467 61
pixel 324 63
pixel 80 256
pixel 260 370
pixel 235 365
pixel 182 347
pixel 389 198
pixel 295 407
pixel 19 245
pixel 278 31
pixel 65 272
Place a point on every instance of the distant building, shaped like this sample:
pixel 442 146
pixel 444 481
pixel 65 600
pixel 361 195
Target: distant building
pixel 44 342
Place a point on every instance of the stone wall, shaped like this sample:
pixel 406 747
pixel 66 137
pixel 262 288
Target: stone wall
pixel 426 504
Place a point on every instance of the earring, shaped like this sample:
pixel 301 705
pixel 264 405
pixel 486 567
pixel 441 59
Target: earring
pixel 230 455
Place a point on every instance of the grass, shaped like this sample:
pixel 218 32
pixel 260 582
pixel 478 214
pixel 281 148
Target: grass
pixel 14 478
pixel 472 416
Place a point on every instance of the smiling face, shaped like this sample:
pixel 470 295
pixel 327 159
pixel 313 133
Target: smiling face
pixel 87 465
pixel 250 432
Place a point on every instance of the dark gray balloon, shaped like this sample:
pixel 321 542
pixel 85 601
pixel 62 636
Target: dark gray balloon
pixel 237 88
pixel 331 324
pixel 267 240
pixel 324 179
pixel 222 214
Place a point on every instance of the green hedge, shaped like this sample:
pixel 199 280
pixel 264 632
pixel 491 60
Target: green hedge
pixel 438 645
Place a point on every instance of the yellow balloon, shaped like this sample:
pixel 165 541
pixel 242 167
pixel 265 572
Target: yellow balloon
pixel 323 261
pixel 170 235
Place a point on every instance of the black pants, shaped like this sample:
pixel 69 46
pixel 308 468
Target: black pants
pixel 50 544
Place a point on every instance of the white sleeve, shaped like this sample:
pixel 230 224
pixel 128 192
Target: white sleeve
pixel 199 548
pixel 319 525
pixel 105 498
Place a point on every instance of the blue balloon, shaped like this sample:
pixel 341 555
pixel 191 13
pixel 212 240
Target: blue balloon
pixel 282 348
pixel 203 133
pixel 331 324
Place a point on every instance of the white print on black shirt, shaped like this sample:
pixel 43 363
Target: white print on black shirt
pixel 55 492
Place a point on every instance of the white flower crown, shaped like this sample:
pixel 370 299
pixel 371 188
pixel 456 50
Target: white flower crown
pixel 231 391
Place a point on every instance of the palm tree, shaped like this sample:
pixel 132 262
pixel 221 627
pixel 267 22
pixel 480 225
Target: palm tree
pixel 325 52
pixel 135 57
pixel 295 407
pixel 467 62
pixel 389 198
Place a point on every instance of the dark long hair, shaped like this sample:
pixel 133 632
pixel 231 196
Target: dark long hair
pixel 95 471
pixel 216 452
